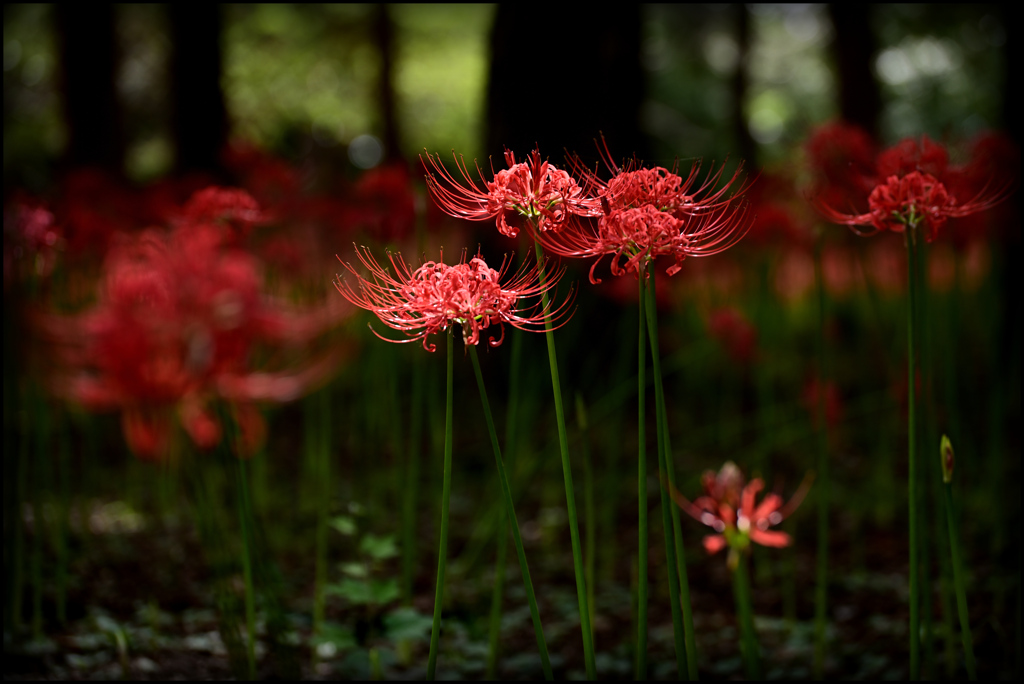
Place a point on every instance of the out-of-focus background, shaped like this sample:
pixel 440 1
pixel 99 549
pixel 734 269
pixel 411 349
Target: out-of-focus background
pixel 115 114
pixel 142 89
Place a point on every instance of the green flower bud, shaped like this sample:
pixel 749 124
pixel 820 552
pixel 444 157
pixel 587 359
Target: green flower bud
pixel 946 453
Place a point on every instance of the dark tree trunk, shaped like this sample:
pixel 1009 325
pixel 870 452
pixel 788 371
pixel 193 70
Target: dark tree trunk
pixel 384 33
pixel 860 100
pixel 740 81
pixel 559 85
pixel 88 53
pixel 199 118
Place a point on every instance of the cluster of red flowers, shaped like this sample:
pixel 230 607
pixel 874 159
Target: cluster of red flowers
pixel 911 184
pixel 178 316
pixel 641 213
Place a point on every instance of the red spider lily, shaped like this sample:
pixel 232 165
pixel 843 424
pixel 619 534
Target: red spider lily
pixel 842 158
pixel 638 235
pixel 533 192
pixel 730 508
pixel 426 301
pixel 31 237
pixel 384 203
pixel 651 212
pixel 178 316
pixel 913 186
pixel 635 186
pixel 224 206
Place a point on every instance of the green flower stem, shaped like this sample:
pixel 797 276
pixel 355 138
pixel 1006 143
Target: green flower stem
pixel 41 414
pixel 497 598
pixel 590 518
pixel 958 581
pixel 741 590
pixel 641 490
pixel 245 517
pixel 822 495
pixel 511 446
pixel 510 511
pixel 677 533
pixel 446 490
pixel 570 495
pixel 64 475
pixel 648 302
pixel 412 478
pixel 915 600
pixel 320 458
pixel 928 496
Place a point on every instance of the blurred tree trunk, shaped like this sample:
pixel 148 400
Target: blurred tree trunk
pixel 88 54
pixel 559 85
pixel 740 81
pixel 860 99
pixel 199 118
pixel 384 32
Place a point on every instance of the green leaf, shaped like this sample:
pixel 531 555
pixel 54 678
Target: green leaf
pixel 384 591
pixel 344 525
pixel 379 548
pixel 406 624
pixel 353 569
pixel 353 590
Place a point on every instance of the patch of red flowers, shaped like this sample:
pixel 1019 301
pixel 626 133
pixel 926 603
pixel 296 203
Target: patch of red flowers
pixel 178 316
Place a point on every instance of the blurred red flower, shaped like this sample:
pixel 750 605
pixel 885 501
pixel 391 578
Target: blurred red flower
pixel 179 314
pixel 729 506
pixel 910 184
pixel 734 332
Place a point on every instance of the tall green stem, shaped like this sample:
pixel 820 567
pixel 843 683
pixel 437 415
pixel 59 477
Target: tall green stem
pixel 570 495
pixel 958 581
pixel 821 583
pixel 590 518
pixel 446 490
pixel 501 560
pixel 412 473
pixel 915 601
pixel 510 511
pixel 648 302
pixel 641 490
pixel 744 610
pixel 245 517
pixel 322 461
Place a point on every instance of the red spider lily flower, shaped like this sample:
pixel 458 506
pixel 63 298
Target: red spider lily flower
pixel 428 300
pixel 914 186
pixel 178 317
pixel 534 192
pixel 637 235
pixel 729 506
pixel 651 212
pixel 224 206
pixel 384 203
pixel 634 186
pixel 842 158
pixel 912 200
pixel 32 239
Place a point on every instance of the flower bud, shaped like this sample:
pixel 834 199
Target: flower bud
pixel 946 452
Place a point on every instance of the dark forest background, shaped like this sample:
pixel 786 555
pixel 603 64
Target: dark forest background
pixel 146 90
